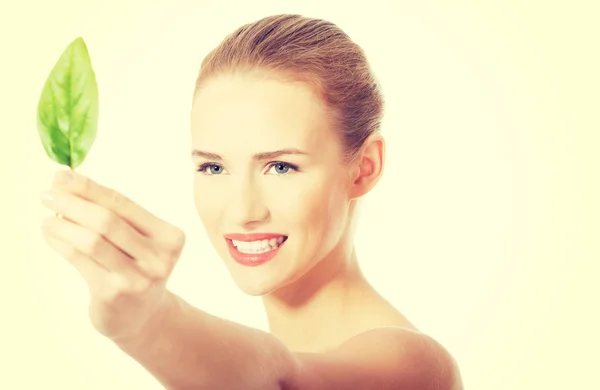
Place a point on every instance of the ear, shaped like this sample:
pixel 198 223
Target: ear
pixel 368 166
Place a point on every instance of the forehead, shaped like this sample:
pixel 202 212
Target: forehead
pixel 258 114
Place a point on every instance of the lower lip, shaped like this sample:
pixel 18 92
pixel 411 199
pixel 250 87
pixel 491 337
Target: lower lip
pixel 251 259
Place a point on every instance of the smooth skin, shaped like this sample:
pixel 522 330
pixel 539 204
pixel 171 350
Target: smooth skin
pixel 329 328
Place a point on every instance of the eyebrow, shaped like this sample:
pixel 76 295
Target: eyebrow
pixel 258 156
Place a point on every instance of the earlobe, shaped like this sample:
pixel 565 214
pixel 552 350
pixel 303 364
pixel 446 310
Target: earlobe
pixel 369 165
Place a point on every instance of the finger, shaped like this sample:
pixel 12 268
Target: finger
pixel 107 224
pixel 92 245
pixel 88 268
pixel 141 219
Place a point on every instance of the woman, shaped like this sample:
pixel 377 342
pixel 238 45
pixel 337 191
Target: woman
pixel 285 137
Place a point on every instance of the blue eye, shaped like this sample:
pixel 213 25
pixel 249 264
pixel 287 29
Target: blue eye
pixel 282 168
pixel 214 169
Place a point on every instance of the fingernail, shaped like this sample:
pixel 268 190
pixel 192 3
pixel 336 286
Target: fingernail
pixel 63 177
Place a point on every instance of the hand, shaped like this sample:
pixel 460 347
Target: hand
pixel 124 253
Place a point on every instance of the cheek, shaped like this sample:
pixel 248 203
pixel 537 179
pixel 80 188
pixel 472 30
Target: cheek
pixel 310 203
pixel 208 203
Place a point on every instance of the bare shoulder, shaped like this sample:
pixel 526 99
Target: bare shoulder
pixel 408 355
pixel 384 358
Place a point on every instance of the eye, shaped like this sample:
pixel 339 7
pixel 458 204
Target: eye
pixel 214 169
pixel 282 168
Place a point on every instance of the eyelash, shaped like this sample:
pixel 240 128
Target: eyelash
pixel 202 168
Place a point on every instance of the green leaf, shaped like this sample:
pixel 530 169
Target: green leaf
pixel 67 112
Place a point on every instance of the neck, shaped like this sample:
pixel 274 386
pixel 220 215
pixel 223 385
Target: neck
pixel 308 314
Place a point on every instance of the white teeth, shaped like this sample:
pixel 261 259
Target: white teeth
pixel 260 246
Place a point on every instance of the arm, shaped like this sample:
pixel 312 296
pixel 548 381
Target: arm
pixel 186 348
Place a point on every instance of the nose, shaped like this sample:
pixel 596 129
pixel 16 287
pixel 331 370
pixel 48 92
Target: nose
pixel 247 206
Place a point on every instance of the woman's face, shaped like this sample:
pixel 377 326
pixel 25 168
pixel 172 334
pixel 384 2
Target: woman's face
pixel 270 187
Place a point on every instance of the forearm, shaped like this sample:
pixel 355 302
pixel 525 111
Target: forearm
pixel 186 348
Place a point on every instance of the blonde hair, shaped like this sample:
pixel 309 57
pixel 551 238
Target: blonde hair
pixel 313 51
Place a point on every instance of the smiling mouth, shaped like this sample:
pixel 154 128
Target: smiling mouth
pixel 258 246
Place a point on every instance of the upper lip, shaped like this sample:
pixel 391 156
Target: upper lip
pixel 252 236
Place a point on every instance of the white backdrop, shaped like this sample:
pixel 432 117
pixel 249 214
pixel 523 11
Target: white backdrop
pixel 483 230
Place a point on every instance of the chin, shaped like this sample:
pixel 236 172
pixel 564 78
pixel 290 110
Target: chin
pixel 259 280
pixel 269 281
pixel 255 290
pixel 264 279
pixel 256 285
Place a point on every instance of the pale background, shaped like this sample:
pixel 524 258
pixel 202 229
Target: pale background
pixel 484 229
